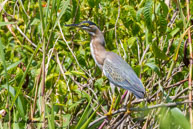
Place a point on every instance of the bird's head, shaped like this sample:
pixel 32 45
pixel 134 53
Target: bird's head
pixel 88 26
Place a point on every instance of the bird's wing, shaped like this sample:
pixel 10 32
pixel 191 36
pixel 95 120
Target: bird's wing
pixel 121 74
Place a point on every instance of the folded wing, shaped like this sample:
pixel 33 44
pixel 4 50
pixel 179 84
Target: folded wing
pixel 121 74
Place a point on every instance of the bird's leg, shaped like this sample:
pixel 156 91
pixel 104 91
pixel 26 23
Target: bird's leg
pixel 129 104
pixel 109 113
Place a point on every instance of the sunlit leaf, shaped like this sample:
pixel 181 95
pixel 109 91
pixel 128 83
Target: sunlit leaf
pixel 6 23
pixel 179 118
pixel 176 30
pixel 131 41
pixel 75 73
pixel 66 119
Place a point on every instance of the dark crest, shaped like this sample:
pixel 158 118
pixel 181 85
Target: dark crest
pixel 89 22
pixel 80 24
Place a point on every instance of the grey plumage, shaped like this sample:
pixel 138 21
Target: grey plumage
pixel 113 66
pixel 121 74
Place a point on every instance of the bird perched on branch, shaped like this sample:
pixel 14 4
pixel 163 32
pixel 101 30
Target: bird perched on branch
pixel 112 65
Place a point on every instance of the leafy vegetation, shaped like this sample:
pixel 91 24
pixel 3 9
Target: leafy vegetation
pixel 48 78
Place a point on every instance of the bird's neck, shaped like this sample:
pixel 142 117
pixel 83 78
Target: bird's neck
pixel 98 51
pixel 98 37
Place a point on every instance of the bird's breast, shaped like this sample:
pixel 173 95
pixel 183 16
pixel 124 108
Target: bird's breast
pixel 98 53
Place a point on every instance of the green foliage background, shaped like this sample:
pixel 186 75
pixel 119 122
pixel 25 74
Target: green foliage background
pixel 149 35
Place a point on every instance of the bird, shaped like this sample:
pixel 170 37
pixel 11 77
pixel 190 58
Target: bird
pixel 118 72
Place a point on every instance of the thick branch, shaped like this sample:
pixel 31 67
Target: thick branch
pixel 140 109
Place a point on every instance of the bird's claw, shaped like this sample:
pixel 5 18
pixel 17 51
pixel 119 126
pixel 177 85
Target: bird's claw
pixel 109 114
pixel 128 111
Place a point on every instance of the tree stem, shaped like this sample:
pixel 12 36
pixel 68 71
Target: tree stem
pixel 190 67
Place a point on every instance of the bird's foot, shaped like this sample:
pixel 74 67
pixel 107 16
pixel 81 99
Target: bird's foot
pixel 128 111
pixel 129 105
pixel 109 113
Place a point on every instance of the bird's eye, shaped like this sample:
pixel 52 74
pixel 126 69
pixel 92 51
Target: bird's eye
pixel 86 24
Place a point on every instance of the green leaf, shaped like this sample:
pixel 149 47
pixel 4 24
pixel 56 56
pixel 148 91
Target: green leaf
pixel 174 32
pixel 98 83
pixel 15 119
pixel 165 119
pixel 131 41
pixel 6 23
pixel 35 22
pixel 163 24
pixel 137 70
pixel 76 10
pixel 154 67
pixel 12 66
pixel 41 16
pixel 131 11
pixel 91 3
pixel 50 76
pixel 20 106
pixel 147 12
pixel 76 104
pixel 164 8
pixel 85 125
pixel 68 13
pixel 66 120
pixel 179 118
pixel 51 117
pixel 139 13
pixel 28 48
pixel 84 116
pixel 83 94
pixel 19 103
pixel 76 73
pixel 11 90
pixel 158 53
pixel 62 12
pixel 2 56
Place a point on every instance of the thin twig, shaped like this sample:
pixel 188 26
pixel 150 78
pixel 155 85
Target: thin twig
pixel 119 10
pixel 147 48
pixel 62 71
pixel 120 121
pixel 2 4
pixel 190 67
pixel 173 18
pixel 138 50
pixel 181 92
pixel 176 84
pixel 33 44
pixel 125 55
pixel 36 93
pixel 103 124
pixel 49 55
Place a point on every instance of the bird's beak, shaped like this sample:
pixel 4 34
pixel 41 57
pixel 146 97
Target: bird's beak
pixel 73 25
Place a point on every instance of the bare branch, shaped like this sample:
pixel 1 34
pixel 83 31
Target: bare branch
pixel 140 109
